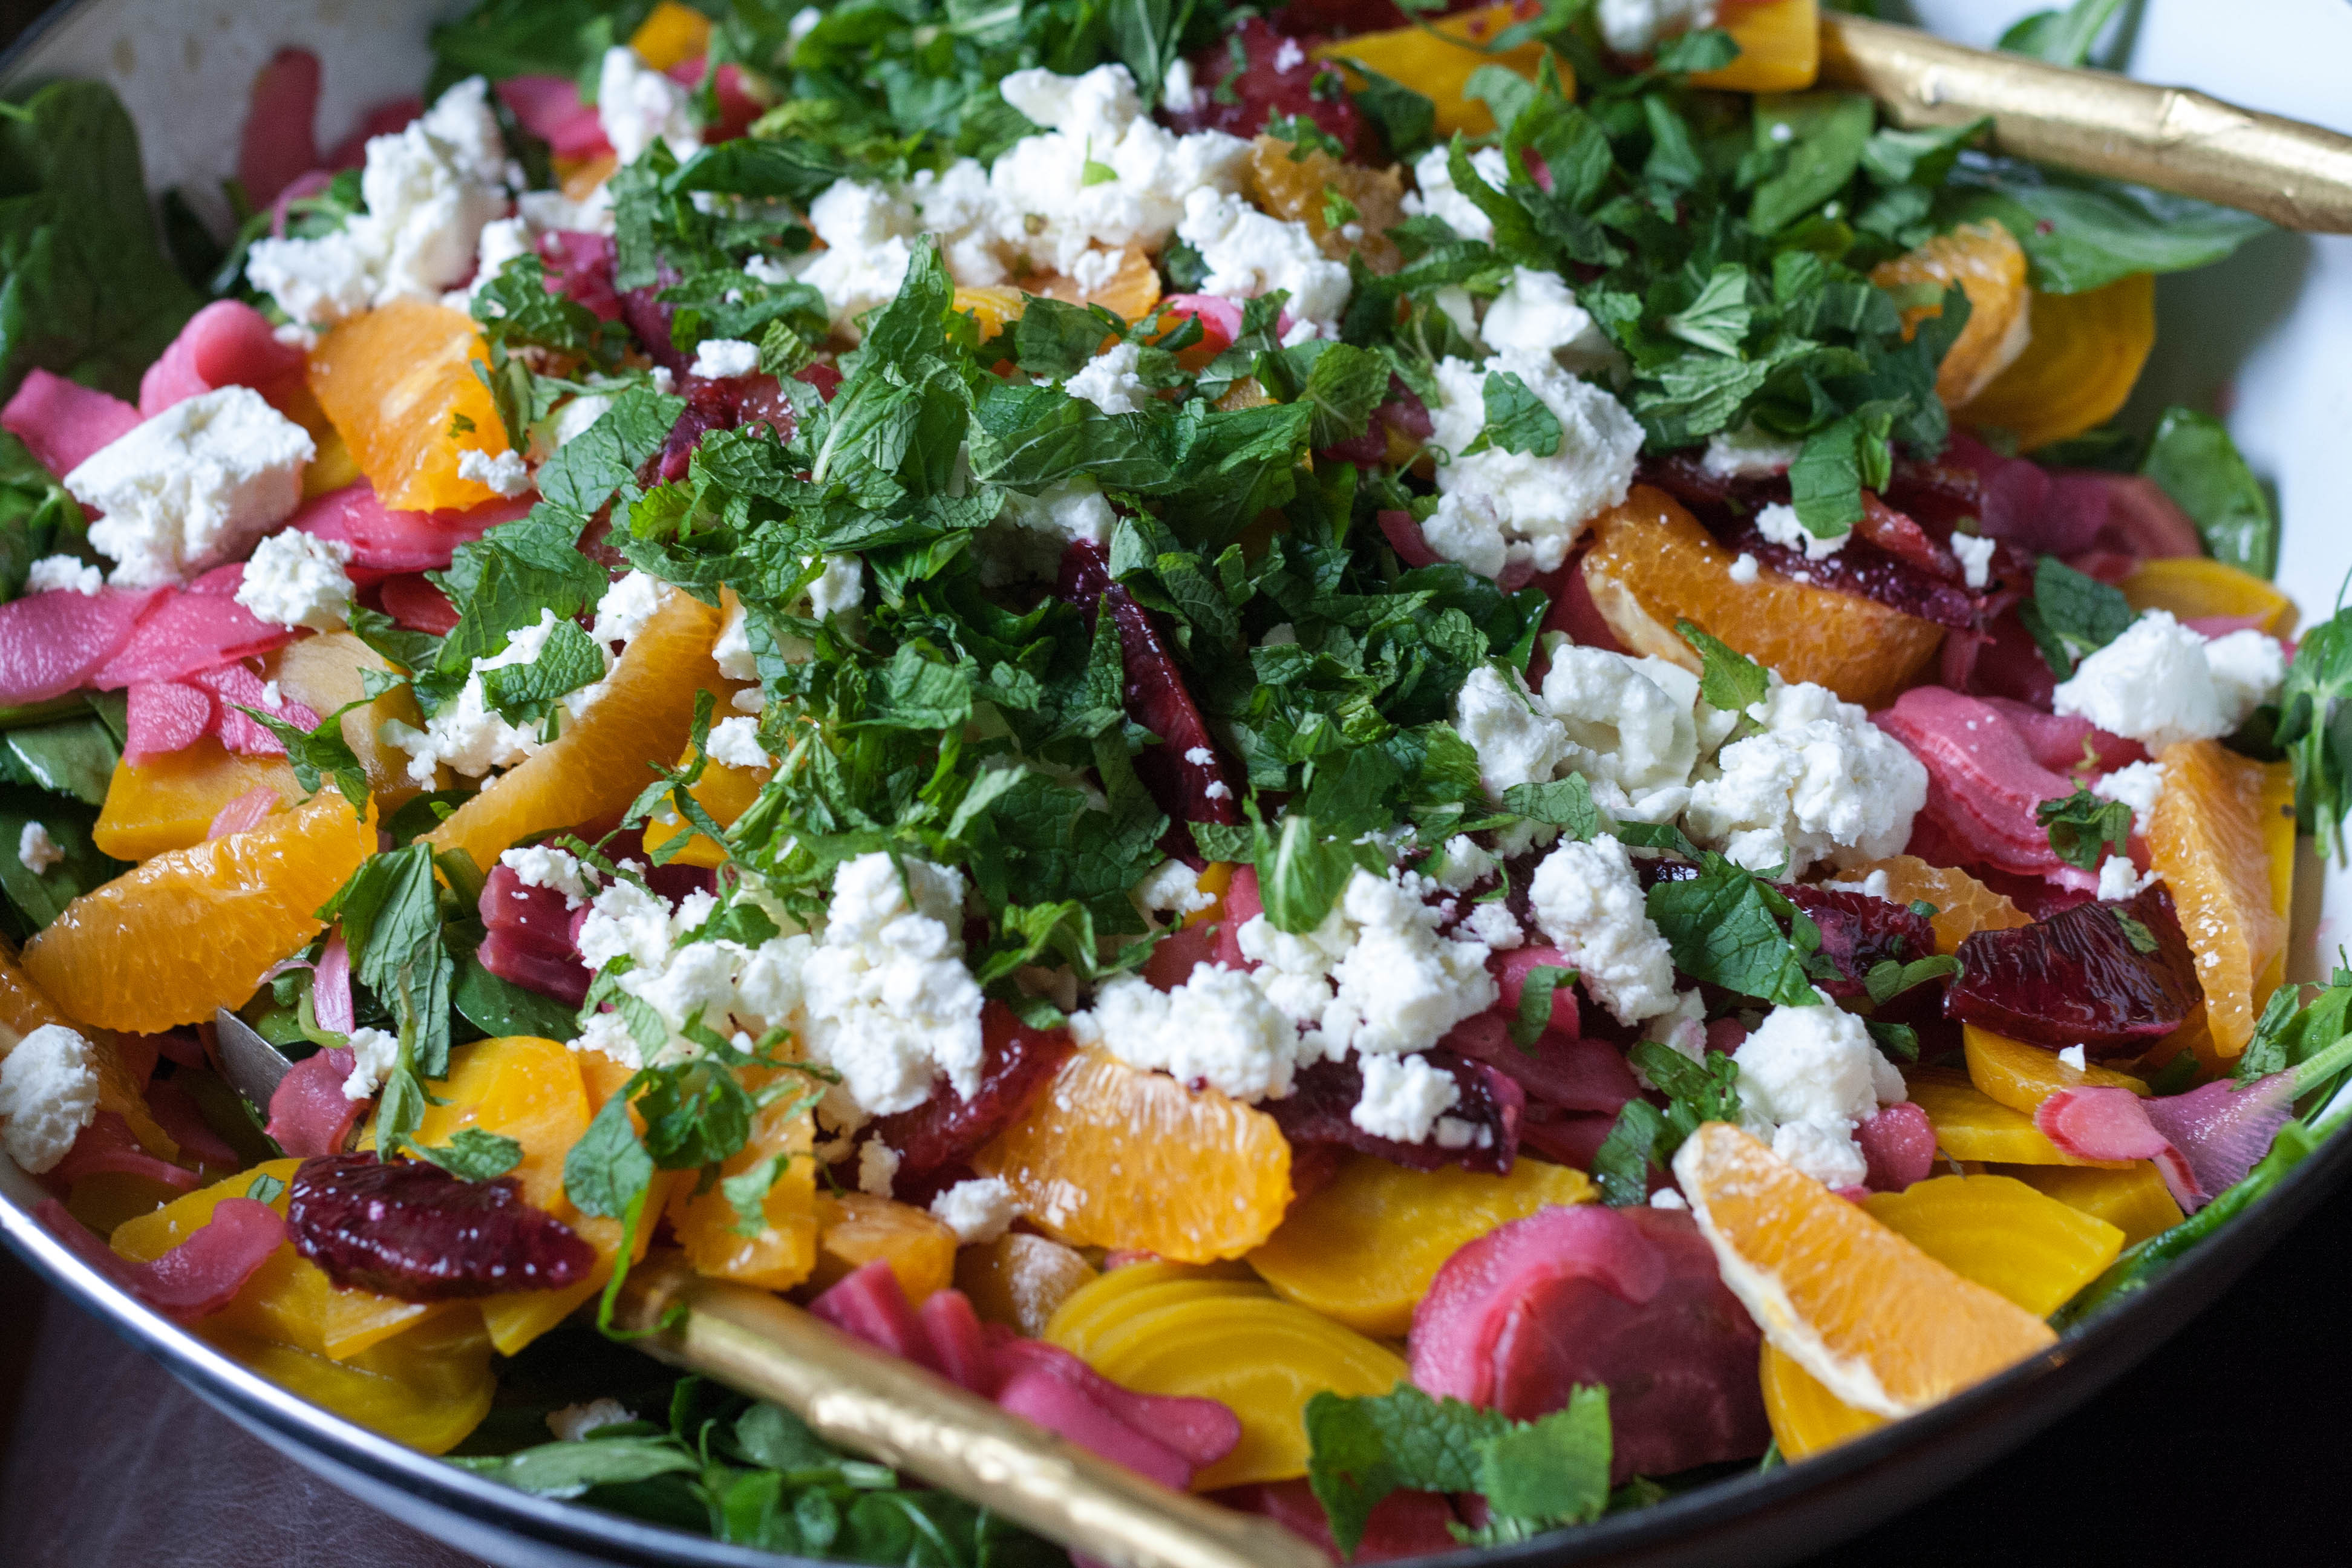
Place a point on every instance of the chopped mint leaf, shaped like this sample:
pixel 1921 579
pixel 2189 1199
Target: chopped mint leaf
pixel 473 1154
pixel 264 1188
pixel 1888 979
pixel 2142 939
pixel 1553 1471
pixel 608 1168
pixel 2083 828
pixel 1565 804
pixel 318 755
pixel 1622 1166
pixel 1838 463
pixel 747 1193
pixel 2072 614
pixel 1535 1004
pixel 1896 1042
pixel 1717 318
pixel 1728 679
pixel 1725 928
pixel 1517 419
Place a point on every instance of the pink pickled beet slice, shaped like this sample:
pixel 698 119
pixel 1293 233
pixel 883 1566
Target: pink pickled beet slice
pixel 580 267
pixel 280 138
pixel 330 985
pixel 414 1231
pixel 1199 1431
pixel 548 107
pixel 1188 787
pixel 870 1304
pixel 1566 1138
pixel 1983 782
pixel 193 1279
pixel 108 1145
pixel 227 343
pixel 174 1110
pixel 417 604
pixel 2098 1121
pixel 1317 1110
pixel 1860 932
pixel 946 1129
pixel 2078 978
pixel 186 632
pixel 1561 1069
pixel 1898 1144
pixel 1062 1407
pixel 1220 318
pixel 1402 1524
pixel 1405 537
pixel 958 1348
pixel 62 422
pixel 2225 1128
pixel 243 815
pixel 234 688
pixel 53 643
pixel 384 540
pixel 1243 905
pixel 2056 740
pixel 2141 519
pixel 1176 954
pixel 1575 615
pixel 737 105
pixel 163 717
pixel 307 1112
pixel 386 118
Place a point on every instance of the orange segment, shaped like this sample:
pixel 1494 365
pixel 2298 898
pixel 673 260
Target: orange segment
pixel 2191 586
pixel 599 763
pixel 854 1230
pixel 400 387
pixel 23 1009
pixel 2278 819
pixel 1882 1325
pixel 1779 47
pixel 995 307
pixel 2077 370
pixel 1130 290
pixel 1021 1280
pixel 2208 839
pixel 2021 1077
pixel 1651 565
pixel 2001 1233
pixel 324 673
pixel 196 929
pixel 1110 1156
pixel 778 1255
pixel 1363 1248
pixel 1438 61
pixel 726 793
pixel 1963 904
pixel 671 34
pixel 1987 262
pixel 168 801
pixel 2134 1201
pixel 1972 1125
pixel 1806 1419
pixel 578 178
pixel 1300 190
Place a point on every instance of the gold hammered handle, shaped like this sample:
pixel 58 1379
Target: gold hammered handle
pixel 2171 138
pixel 865 1399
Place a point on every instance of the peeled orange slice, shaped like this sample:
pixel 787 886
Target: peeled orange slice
pixel 399 384
pixel 671 34
pixel 168 801
pixel 1987 262
pixel 781 1252
pixel 1112 1156
pixel 600 762
pixel 855 1229
pixel 1130 290
pixel 2208 840
pixel 1300 190
pixel 23 1009
pixel 1882 1325
pixel 1963 904
pixel 195 929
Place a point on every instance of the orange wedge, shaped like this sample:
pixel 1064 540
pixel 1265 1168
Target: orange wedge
pixel 1111 1156
pixel 399 384
pixel 2208 839
pixel 1963 904
pixel 23 1009
pixel 857 1228
pixel 1298 189
pixel 1130 290
pixel 600 762
pixel 778 1253
pixel 1987 262
pixel 1779 47
pixel 1882 1325
pixel 195 929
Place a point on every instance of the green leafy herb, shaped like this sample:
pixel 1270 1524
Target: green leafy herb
pixel 1888 979
pixel 2061 37
pixel 473 1154
pixel 1535 995
pixel 264 1188
pixel 2141 939
pixel 1729 680
pixel 318 755
pixel 2193 459
pixel 2072 614
pixel 2314 728
pixel 2083 828
pixel 1725 927
pixel 1620 1167
pixel 1565 804
pixel 1517 419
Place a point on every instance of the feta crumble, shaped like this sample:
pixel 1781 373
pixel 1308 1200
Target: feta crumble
pixel 1217 1027
pixel 557 870
pixel 2075 1056
pixel 1747 453
pixel 723 359
pixel 1779 522
pixel 1375 976
pixel 889 1002
pixel 2120 879
pixel 1028 538
pixel 63 573
pixel 375 1052
pixel 298 579
pixel 1819 781
pixel 978 1211
pixel 878 1168
pixel 575 1422
pixel 49 1093
pixel 2136 785
pixel 1404 1098
pixel 735 742
pixel 1808 1077
pixel 504 473
pixel 1171 887
pixel 193 486
pixel 637 106
pixel 1248 253
pixel 1537 312
pixel 1109 381
pixel 2160 682
pixel 1975 555
pixel 1636 27
pixel 1744 569
pixel 1439 198
pixel 36 850
pixel 1587 899
pixel 681 975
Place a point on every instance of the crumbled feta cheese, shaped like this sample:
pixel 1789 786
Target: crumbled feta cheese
pixel 1516 740
pixel 503 239
pixel 1493 923
pixel 681 974
pixel 723 359
pixel 978 1211
pixel 1217 1027
pixel 625 921
pixel 1819 780
pixel 1747 453
pixel 839 588
pixel 1537 312
pixel 1248 253
pixel 1404 1097
pixel 36 850
pixel 1779 522
pixel 504 473
pixel 1635 26
pixel 49 1093
pixel 626 606
pixel 55 573
pixel 1176 89
pixel 375 1052
pixel 575 1422
pixel 1170 887
pixel 732 652
pixel 1626 723
pixel 1808 1075
pixel 1109 381
pixel 2136 785
pixel 2076 1058
pixel 558 870
pixel 577 415
pixel 2120 879
pixel 878 1168
pixel 193 486
pixel 889 1001
pixel 637 106
pixel 868 237
pixel 1376 976
pixel 1498 508
pixel 1743 569
pixel 2157 683
pixel 735 742
pixel 1464 864
pixel 1975 555
pixel 1438 197
pixel 552 212
pixel 297 579
pixel 1667 1199
pixel 1586 898
pixel 1872 886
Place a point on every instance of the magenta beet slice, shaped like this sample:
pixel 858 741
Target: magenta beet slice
pixel 1402 1524
pixel 1561 1069
pixel 1321 1097
pixel 193 1279
pixel 1859 933
pixel 414 1231
pixel 2224 1127
pixel 941 1133
pixel 1983 782
pixel 529 938
pixel 1898 1144
pixel 2079 978
pixel 1276 78
pixel 309 1113
pixel 1187 787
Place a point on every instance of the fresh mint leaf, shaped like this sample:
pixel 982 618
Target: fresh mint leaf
pixel 1517 419
pixel 2061 38
pixel 318 754
pixel 1718 317
pixel 1565 804
pixel 1922 157
pixel 1701 49
pixel 2192 458
pixel 1824 133
pixel 2072 615
pixel 264 1188
pixel 1729 680
pixel 1535 1004
pixel 1553 1471
pixel 499 1008
pixel 2083 828
pixel 2314 728
pixel 1840 461
pixel 747 1192
pixel 473 1154
pixel 1363 1449
pixel 1896 1042
pixel 1723 931
pixel 1344 384
pixel 2142 940
pixel 1888 979
pixel 528 693
pixel 390 913
pixel 1697 1092
pixel 1622 1166
pixel 608 1168
pixel 1055 341
pixel 1407 118
pixel 589 469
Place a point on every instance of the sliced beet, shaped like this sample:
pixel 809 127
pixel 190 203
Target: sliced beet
pixel 528 941
pixel 1627 1299
pixel 1565 1137
pixel 1860 932
pixel 1898 1144
pixel 1561 1069
pixel 2080 979
pixel 1984 782
pixel 1255 74
pixel 1185 772
pixel 1401 1524
pixel 1317 1110
pixel 946 1128
pixel 413 1231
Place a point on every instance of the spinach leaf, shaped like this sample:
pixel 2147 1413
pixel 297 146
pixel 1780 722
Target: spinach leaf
pixel 2193 459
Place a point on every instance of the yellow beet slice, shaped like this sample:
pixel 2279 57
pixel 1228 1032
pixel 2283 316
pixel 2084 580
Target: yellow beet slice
pixel 426 1388
pixel 1996 1230
pixel 1263 1358
pixel 1972 1125
pixel 1364 1249
pixel 168 801
pixel 2021 1077
pixel 2083 353
pixel 1438 61
pixel 2134 1201
pixel 1111 1298
pixel 2192 586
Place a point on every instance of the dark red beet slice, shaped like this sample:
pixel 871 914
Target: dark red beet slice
pixel 944 1131
pixel 2078 978
pixel 1570 1071
pixel 530 938
pixel 580 267
pixel 649 319
pixel 415 603
pixel 1859 931
pixel 1273 78
pixel 1402 1524
pixel 414 1231
pixel 1565 1137
pixel 1187 788
pixel 1317 1111
pixel 1627 1299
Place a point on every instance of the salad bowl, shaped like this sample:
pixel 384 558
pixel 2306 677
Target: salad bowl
pixel 2260 338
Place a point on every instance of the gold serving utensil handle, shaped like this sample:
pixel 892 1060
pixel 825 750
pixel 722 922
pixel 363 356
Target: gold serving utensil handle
pixel 866 1399
pixel 2174 139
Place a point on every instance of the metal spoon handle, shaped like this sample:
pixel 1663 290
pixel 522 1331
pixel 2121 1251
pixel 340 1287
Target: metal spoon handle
pixel 867 1399
pixel 2100 124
